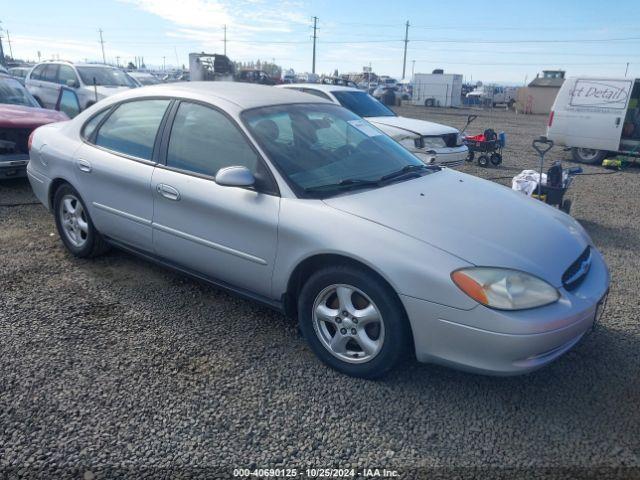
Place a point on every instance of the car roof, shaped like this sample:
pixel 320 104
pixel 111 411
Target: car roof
pixel 243 95
pixel 322 87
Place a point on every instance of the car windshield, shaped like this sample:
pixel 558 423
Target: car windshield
pixel 12 92
pixel 146 79
pixel 104 76
pixel 363 104
pixel 324 149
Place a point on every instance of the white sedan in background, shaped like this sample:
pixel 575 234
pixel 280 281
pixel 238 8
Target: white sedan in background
pixel 432 142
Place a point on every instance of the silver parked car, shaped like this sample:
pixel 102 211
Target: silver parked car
pixel 299 203
pixel 90 81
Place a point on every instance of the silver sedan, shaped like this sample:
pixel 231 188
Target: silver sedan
pixel 304 206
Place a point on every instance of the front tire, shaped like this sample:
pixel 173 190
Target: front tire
pixel 74 224
pixel 588 155
pixel 353 321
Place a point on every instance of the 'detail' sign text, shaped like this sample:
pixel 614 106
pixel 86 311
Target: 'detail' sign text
pixel 601 93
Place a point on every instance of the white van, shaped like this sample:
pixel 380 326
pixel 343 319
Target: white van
pixel 597 117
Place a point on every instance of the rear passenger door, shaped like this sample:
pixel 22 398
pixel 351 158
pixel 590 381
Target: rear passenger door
pixel 114 169
pixel 49 87
pixel 228 233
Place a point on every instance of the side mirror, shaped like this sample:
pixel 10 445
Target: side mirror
pixel 235 177
pixel 72 83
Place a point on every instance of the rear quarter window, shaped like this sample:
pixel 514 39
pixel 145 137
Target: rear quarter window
pixel 132 128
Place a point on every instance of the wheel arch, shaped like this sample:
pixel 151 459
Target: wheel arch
pixel 306 267
pixel 56 183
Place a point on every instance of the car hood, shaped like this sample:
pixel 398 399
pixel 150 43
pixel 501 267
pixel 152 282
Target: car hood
pixel 412 125
pixel 478 221
pixel 20 116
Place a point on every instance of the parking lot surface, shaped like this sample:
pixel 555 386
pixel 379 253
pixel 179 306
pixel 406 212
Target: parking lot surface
pixel 115 362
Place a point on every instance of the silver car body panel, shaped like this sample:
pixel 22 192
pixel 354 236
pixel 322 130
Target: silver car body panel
pixel 255 241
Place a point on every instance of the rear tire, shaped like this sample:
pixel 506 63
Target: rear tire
pixel 496 159
pixel 588 155
pixel 370 345
pixel 483 161
pixel 74 224
pixel 470 156
pixel 566 206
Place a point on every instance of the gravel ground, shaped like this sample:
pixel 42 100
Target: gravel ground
pixel 117 363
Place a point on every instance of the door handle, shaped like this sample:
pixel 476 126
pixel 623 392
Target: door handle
pixel 83 165
pixel 618 122
pixel 168 192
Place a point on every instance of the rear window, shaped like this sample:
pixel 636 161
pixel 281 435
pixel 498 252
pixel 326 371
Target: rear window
pixel 12 92
pixel 362 104
pixel 132 128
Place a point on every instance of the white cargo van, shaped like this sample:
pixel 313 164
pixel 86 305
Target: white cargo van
pixel 597 117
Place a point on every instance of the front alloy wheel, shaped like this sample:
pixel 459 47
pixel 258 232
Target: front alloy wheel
pixel 353 321
pixel 348 323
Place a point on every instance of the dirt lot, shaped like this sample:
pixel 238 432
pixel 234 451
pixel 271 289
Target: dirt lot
pixel 114 362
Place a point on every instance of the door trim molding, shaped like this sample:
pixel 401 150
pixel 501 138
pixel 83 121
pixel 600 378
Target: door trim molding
pixel 207 243
pixel 120 213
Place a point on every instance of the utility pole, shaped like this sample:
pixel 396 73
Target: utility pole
pixel 626 70
pixel 11 50
pixel 413 67
pixel 117 61
pixel 315 36
pixel 104 59
pixel 164 63
pixel 406 41
pixel 225 39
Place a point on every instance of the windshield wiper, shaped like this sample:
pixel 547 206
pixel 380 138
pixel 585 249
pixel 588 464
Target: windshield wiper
pixel 346 184
pixel 407 169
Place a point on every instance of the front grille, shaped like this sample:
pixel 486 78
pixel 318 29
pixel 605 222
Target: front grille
pixel 577 271
pixel 451 139
pixel 14 140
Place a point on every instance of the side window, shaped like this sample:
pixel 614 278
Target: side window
pixel 50 73
pixel 131 129
pixel 317 93
pixel 37 72
pixel 91 125
pixel 203 141
pixel 66 74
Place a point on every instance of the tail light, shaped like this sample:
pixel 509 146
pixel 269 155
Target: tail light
pixel 30 141
pixel 550 118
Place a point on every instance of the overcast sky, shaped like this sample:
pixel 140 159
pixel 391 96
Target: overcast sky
pixel 503 41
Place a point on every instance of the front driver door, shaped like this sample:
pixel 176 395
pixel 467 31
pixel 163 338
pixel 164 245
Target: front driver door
pixel 227 233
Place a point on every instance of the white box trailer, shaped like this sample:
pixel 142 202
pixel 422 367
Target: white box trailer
pixel 437 89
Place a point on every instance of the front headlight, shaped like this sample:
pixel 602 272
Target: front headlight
pixel 503 288
pixel 410 142
pixel 459 139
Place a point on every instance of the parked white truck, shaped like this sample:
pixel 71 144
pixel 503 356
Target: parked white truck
pixel 597 117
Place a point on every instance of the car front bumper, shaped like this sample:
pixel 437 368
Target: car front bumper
pixel 447 157
pixel 498 342
pixel 13 166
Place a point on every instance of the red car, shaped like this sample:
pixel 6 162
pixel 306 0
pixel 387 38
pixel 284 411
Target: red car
pixel 20 114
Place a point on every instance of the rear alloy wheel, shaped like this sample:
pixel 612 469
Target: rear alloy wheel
pixel 483 161
pixel 352 321
pixel 588 155
pixel 74 224
pixel 496 159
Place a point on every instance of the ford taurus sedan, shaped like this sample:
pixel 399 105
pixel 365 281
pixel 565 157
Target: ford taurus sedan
pixel 300 204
